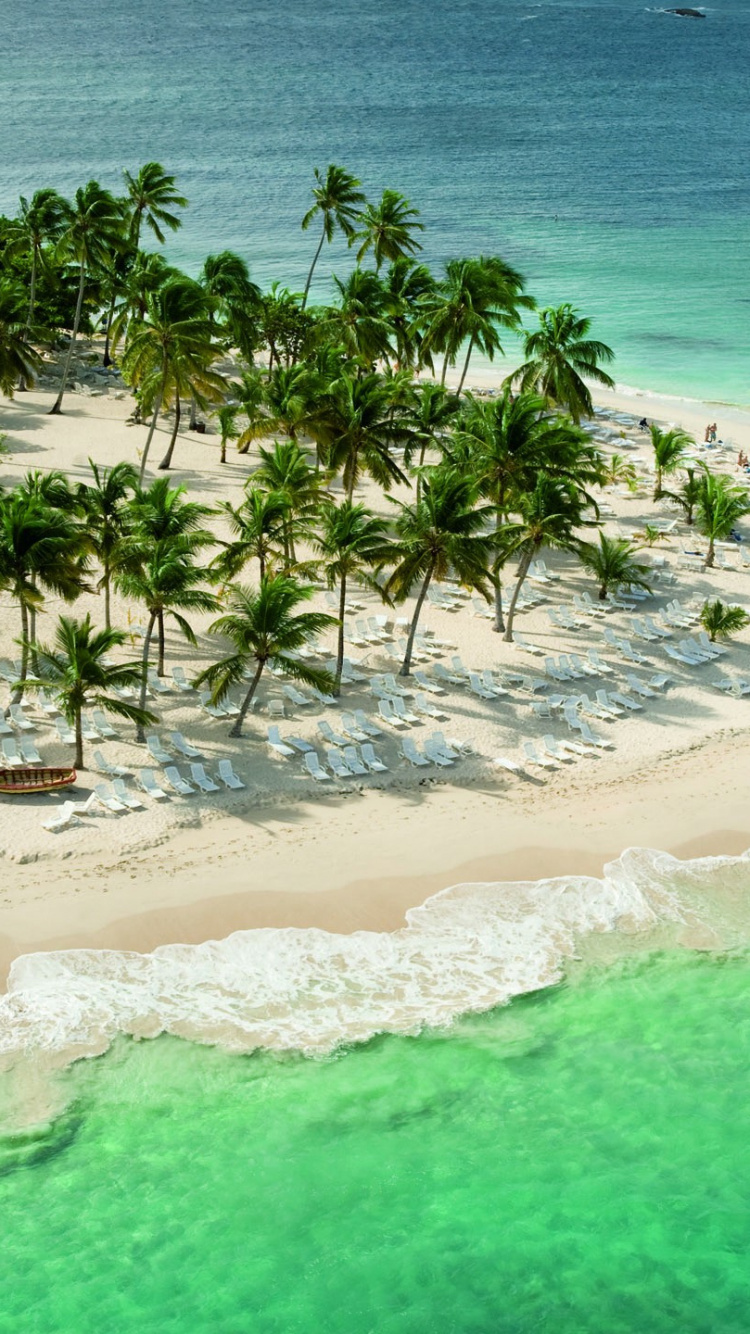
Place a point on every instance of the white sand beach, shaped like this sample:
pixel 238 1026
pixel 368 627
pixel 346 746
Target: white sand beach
pixel 357 852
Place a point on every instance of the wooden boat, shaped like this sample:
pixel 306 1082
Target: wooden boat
pixel 39 779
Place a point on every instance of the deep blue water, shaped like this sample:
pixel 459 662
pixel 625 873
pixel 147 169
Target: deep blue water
pixel 600 146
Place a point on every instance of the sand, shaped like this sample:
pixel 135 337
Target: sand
pixel 358 855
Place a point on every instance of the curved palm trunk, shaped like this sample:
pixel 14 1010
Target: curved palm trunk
pixel 106 359
pixel 149 438
pixel 312 267
pixel 21 386
pixel 499 622
pixel 140 733
pixel 160 664
pixel 107 597
pixel 406 664
pixel 445 369
pixel 18 692
pixel 522 572
pixel 466 367
pixel 167 460
pixel 78 759
pixel 57 405
pixel 236 728
pixel 710 554
pixel 340 646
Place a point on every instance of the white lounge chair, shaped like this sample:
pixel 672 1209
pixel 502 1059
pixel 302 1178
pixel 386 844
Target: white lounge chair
pixel 427 685
pixel 229 777
pixel 297 698
pixel 46 704
pixel 321 696
pixel 127 798
pixel 156 684
pixel 157 751
pixel 19 719
pixel 543 761
pixel 277 745
pixel 639 687
pixel 88 730
pixel 185 747
pixel 148 782
pixel 213 710
pixel 555 751
pixel 412 754
pixel 601 743
pixel 435 755
pixel 489 683
pixel 103 726
pixel 353 762
pixel 401 711
pixel 372 760
pixel 349 726
pixel 328 734
pixel 177 782
pixel 476 688
pixel 65 817
pixel 10 752
pixel 449 678
pixel 521 642
pixel 109 799
pixel 29 752
pixel 336 763
pixel 202 779
pixel 315 768
pixel 598 663
pixel 106 766
pixel 366 724
pixel 617 697
pixel 389 715
pixel 181 681
pixel 503 762
pixel 452 749
pixel 425 706
pixel 608 703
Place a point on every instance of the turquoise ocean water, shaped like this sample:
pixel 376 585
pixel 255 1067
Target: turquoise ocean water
pixel 599 144
pixel 572 1162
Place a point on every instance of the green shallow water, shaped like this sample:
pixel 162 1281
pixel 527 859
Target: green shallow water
pixel 575 1162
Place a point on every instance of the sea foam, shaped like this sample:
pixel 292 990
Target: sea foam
pixel 468 948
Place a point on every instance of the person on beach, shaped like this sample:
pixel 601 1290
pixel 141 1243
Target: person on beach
pixel 712 436
pixel 707 435
pixel 643 424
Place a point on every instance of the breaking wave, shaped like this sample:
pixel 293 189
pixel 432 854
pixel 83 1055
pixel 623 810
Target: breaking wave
pixel 468 948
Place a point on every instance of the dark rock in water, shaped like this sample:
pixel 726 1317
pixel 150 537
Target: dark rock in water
pixel 687 13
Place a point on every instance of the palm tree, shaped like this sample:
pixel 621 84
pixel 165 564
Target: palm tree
pixel 234 297
pixel 669 450
pixel 169 354
pixel 558 355
pixel 152 194
pixel 228 430
pixel 75 670
pixel 617 469
pixel 429 423
pixel 506 442
pixel 613 562
pixel 722 621
pixel 259 525
pixel 167 582
pixel 356 430
pixel 286 472
pixel 104 509
pixel 19 362
pixel 444 533
pixel 353 542
pixel 720 506
pixel 360 324
pixel 38 544
pixel 337 200
pixel 409 288
pixel 688 495
pixel 477 298
pixel 283 403
pixel 38 224
pixel 146 275
pixel 549 516
pixel 387 229
pixel 92 228
pixel 265 627
pixel 160 513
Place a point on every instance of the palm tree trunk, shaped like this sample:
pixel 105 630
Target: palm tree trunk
pixel 523 570
pixel 406 664
pixel 18 692
pixel 21 386
pixel 106 359
pixel 78 758
pixel 603 592
pixel 340 647
pixel 466 367
pixel 710 554
pixel 160 664
pixel 312 267
pixel 107 597
pixel 445 369
pixel 236 728
pixel 32 637
pixel 166 461
pixel 223 458
pixel 140 734
pixel 151 429
pixel 499 622
pixel 57 405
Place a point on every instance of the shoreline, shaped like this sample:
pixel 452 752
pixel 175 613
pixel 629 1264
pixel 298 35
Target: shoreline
pixel 411 851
